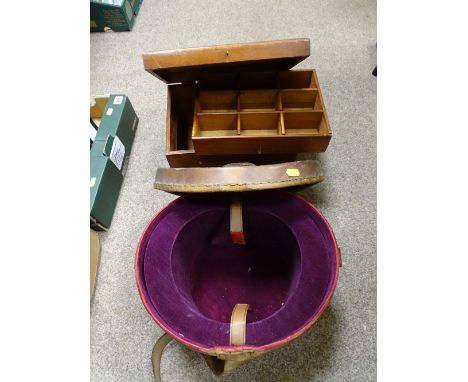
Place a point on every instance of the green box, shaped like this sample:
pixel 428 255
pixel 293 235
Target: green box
pixel 117 121
pixel 118 15
pixel 106 181
pixel 136 4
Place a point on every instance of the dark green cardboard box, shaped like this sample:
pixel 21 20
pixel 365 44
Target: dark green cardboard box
pixel 117 121
pixel 118 15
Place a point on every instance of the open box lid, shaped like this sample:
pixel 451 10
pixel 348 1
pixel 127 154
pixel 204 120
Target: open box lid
pixel 238 177
pixel 188 65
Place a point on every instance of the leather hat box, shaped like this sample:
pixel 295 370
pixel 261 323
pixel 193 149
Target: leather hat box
pixel 237 266
pixel 235 100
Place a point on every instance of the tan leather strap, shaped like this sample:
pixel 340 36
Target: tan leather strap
pixel 238 178
pixel 238 324
pixel 158 349
pixel 234 361
pixel 236 225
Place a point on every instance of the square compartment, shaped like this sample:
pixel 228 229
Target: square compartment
pixel 299 79
pixel 217 101
pixel 258 100
pixel 300 99
pixel 303 122
pixel 216 125
pixel 259 124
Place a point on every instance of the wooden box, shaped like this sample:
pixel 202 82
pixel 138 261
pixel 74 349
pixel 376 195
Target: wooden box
pixel 240 102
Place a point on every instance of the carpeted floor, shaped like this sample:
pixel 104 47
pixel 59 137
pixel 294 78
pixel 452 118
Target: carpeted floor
pixel 342 345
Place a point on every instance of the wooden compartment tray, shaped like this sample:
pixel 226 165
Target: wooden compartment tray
pixel 252 120
pixel 240 103
pixel 179 143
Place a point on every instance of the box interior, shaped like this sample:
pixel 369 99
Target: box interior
pixel 280 103
pixel 262 104
pixel 191 274
pixel 97 109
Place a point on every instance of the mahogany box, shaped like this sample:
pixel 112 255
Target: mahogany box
pixel 237 101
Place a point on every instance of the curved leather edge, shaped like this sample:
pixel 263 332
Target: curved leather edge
pixel 238 178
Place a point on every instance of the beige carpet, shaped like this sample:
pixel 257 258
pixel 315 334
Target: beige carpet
pixel 342 345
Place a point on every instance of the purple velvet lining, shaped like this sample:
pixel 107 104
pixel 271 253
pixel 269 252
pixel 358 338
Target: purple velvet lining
pixel 192 274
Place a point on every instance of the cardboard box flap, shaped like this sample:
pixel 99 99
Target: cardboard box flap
pixel 94 249
pixel 238 177
pixel 189 65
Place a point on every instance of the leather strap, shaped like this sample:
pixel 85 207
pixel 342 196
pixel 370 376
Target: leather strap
pixel 238 324
pixel 237 230
pixel 230 362
pixel 158 349
pixel 238 178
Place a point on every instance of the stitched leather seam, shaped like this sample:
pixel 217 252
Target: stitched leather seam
pixel 236 184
